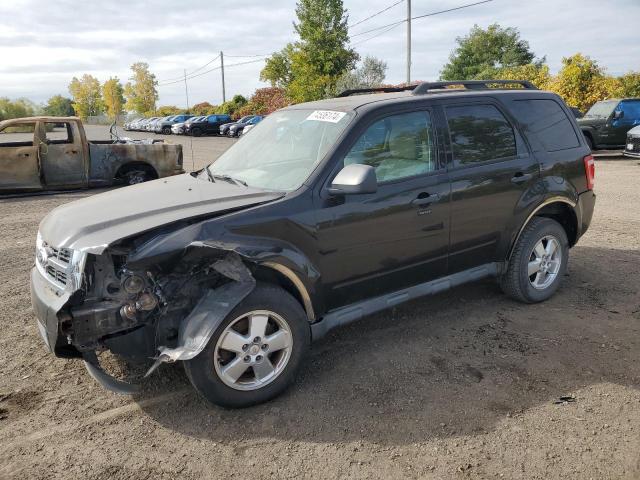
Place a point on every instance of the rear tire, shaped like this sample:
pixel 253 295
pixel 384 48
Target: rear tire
pixel 263 373
pixel 166 131
pixel 538 262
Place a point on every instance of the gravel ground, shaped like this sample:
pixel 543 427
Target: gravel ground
pixel 460 385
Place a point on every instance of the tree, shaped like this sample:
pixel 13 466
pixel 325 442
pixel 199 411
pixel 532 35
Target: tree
pixel 370 74
pixel 87 96
pixel 112 95
pixel 629 85
pixel 204 108
pixel 16 108
pixel 167 110
pixel 310 68
pixel 537 74
pixel 141 92
pixel 482 53
pixel 582 82
pixel 230 107
pixel 264 101
pixel 59 106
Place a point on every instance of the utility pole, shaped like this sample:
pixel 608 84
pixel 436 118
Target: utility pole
pixel 186 89
pixel 408 41
pixel 224 95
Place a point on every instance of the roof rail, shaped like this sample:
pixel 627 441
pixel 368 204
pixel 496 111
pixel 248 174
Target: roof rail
pixel 433 87
pixel 360 91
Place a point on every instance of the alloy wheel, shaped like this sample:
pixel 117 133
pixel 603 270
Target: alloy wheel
pixel 545 261
pixel 253 350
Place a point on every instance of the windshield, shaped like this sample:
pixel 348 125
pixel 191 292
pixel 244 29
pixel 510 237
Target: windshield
pixel 245 119
pixel 283 149
pixel 602 109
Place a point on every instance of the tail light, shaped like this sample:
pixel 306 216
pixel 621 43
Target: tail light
pixel 590 171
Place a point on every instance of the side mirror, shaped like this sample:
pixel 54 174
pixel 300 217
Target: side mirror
pixel 354 178
pixel 618 114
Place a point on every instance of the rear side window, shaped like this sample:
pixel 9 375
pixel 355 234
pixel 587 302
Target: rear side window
pixel 20 135
pixel 480 133
pixel 548 121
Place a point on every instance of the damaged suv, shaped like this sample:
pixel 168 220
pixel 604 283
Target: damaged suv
pixel 328 212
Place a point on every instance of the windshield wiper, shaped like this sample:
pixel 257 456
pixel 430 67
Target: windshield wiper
pixel 228 178
pixel 210 175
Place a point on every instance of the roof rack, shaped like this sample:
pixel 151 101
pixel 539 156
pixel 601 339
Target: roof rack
pixel 433 87
pixel 361 91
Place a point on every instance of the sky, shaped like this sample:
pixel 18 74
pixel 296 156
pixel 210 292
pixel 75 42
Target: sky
pixel 44 43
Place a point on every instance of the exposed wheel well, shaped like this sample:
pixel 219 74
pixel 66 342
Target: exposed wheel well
pixel 131 166
pixel 589 137
pixel 564 214
pixel 270 275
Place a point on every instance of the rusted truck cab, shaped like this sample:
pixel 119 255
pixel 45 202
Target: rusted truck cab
pixel 53 153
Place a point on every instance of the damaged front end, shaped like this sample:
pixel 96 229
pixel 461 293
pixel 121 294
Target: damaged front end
pixel 88 303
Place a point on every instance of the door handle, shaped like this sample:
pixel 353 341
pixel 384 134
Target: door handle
pixel 24 154
pixel 425 198
pixel 521 177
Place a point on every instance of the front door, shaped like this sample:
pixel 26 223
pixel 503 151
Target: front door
pixel 372 244
pixel 62 156
pixel 19 166
pixel 490 170
pixel 629 117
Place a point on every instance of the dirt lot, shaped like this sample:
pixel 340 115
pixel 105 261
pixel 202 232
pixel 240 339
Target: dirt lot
pixel 461 385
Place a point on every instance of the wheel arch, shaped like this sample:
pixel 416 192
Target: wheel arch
pixel 560 209
pixel 128 166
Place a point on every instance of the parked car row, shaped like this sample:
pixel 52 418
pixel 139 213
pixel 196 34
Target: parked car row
pixel 216 124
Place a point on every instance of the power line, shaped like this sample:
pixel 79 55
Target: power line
pixel 190 73
pixel 422 16
pixel 376 14
pixel 376 35
pixel 209 71
pixel 246 56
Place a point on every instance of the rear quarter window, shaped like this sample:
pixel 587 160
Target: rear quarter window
pixel 548 121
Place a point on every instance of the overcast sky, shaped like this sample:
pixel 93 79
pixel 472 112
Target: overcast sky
pixel 44 43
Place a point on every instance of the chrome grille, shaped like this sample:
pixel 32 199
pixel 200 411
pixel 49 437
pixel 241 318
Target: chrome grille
pixel 55 263
pixel 62 254
pixel 635 141
pixel 57 275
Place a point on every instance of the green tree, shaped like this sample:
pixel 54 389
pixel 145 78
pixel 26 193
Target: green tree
pixel 59 106
pixel 141 92
pixel 483 53
pixel 15 108
pixel 230 107
pixel 629 85
pixel 371 73
pixel 167 110
pixel 310 68
pixel 87 96
pixel 204 108
pixel 537 74
pixel 581 82
pixel 113 98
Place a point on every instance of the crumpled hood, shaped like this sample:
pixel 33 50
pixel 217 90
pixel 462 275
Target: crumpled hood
pixel 91 224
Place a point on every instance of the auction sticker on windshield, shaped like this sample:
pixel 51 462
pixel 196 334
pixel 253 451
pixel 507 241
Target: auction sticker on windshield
pixel 326 116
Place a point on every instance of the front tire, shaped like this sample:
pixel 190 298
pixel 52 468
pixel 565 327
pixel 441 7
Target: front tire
pixel 166 131
pixel 538 262
pixel 255 353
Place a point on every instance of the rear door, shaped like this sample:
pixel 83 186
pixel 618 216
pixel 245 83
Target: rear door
pixel 62 156
pixel 372 244
pixel 490 168
pixel 19 165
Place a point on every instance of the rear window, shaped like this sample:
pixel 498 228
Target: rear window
pixel 480 133
pixel 547 119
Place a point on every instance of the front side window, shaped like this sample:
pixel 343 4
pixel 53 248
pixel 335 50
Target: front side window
pixel 58 133
pixel 480 133
pixel 631 109
pixel 283 150
pixel 398 146
pixel 20 135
